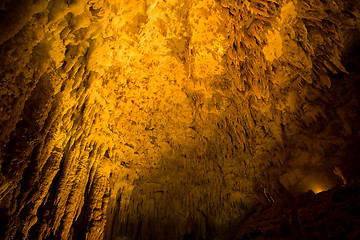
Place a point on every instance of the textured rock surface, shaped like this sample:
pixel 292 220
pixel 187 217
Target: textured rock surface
pixel 157 119
pixel 327 215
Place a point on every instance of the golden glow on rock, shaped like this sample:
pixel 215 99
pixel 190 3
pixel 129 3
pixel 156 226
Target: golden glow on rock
pixel 316 188
pixel 273 49
pixel 158 116
pixel 207 38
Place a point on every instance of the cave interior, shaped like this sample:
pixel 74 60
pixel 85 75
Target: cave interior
pixel 179 119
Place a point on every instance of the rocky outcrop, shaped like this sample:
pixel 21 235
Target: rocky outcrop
pixel 328 215
pixel 164 119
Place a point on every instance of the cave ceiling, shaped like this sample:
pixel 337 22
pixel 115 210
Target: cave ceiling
pixel 150 119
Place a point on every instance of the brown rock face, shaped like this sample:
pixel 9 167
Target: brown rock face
pixel 328 215
pixel 134 119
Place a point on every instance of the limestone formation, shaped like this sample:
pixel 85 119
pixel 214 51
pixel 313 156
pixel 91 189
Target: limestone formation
pixel 171 119
pixel 328 215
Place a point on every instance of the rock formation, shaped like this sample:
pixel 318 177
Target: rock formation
pixel 167 119
pixel 328 215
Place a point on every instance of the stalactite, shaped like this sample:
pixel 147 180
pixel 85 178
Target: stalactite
pixel 157 119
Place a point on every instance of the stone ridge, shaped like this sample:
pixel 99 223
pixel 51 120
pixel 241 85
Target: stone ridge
pixel 161 119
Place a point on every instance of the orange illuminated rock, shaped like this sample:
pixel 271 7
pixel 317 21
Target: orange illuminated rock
pixel 163 119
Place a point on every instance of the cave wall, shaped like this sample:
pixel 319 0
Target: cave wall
pixel 332 214
pixel 153 119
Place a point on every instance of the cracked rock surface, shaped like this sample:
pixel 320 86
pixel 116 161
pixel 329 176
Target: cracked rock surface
pixel 154 119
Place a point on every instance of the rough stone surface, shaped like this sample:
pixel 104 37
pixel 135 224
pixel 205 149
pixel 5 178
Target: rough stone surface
pixel 161 119
pixel 328 215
